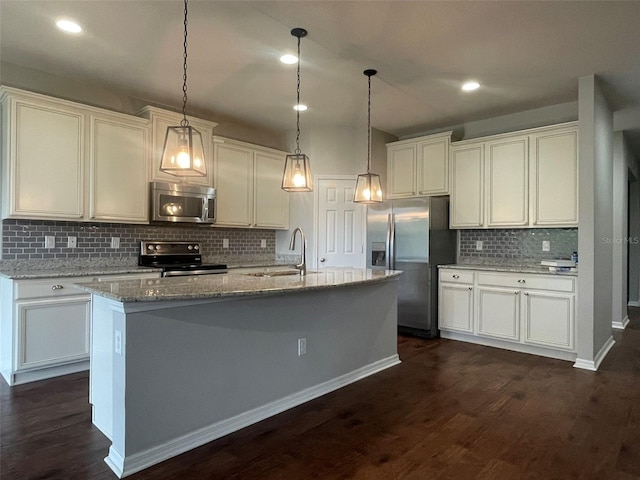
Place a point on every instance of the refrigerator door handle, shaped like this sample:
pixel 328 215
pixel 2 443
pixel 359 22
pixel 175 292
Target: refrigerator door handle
pixel 391 243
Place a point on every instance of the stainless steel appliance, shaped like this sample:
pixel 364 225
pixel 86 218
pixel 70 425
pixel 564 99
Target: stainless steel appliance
pixel 176 202
pixel 176 258
pixel 412 235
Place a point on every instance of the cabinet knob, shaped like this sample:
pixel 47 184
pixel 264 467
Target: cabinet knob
pixel 470 288
pixel 516 292
pixel 57 287
pixel 456 276
pixel 322 259
pixel 522 281
pixel 526 293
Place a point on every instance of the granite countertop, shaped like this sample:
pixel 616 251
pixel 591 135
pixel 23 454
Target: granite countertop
pixel 231 285
pixel 507 268
pixel 72 271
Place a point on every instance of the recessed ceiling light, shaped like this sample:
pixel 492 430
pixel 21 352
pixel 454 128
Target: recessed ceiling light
pixel 68 26
pixel 300 107
pixel 469 86
pixel 288 59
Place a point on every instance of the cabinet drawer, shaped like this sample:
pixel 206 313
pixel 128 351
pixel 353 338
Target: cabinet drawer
pixel 528 281
pixel 50 287
pixel 456 276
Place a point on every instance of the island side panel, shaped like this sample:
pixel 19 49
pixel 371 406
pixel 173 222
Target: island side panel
pixel 202 368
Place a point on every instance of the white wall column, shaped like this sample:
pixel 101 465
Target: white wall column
pixel 595 302
pixel 620 233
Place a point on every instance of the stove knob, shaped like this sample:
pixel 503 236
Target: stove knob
pixel 196 247
pixel 149 247
pixel 190 247
pixel 157 247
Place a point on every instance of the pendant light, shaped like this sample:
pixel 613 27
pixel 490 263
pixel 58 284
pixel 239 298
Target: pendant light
pixel 183 152
pixel 297 169
pixel 368 188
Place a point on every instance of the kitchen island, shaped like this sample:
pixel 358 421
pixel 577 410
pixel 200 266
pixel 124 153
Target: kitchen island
pixel 178 362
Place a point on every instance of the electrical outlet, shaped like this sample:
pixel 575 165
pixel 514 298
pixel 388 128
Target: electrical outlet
pixel 479 245
pixel 302 346
pixel 49 241
pixel 263 243
pixel 117 344
pixel 115 242
pixel 72 242
pixel 546 245
pixel 225 243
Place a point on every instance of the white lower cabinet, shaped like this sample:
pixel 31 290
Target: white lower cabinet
pixel 45 326
pixel 456 307
pixel 499 312
pixel 533 313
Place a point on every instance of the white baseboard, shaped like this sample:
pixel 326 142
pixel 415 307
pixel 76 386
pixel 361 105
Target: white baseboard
pixel 123 467
pixel 622 324
pixel 594 364
pixel 18 378
pixel 633 303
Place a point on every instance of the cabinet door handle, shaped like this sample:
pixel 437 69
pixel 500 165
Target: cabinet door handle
pixel 57 287
pixel 521 281
pixel 456 276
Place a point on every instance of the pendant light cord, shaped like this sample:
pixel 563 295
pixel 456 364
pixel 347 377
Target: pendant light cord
pixel 184 122
pixel 369 129
pixel 298 105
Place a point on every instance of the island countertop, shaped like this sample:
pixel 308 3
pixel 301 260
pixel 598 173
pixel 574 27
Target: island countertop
pixel 231 285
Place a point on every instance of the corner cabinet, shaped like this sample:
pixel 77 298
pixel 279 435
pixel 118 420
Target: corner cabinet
pixel 66 161
pixel 161 119
pixel 521 179
pixel 418 166
pixel 45 326
pixel 526 312
pixel 248 181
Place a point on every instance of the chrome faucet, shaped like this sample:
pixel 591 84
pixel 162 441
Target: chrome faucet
pixel 292 245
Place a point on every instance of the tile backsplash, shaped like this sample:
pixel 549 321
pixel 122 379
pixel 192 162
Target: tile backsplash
pixel 516 245
pixel 24 240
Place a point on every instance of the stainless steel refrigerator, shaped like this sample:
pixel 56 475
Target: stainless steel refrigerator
pixel 412 235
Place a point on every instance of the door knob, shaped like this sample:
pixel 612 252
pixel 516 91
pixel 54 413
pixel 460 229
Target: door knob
pixel 322 259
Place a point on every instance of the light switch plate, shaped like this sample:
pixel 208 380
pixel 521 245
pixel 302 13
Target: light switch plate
pixel 115 242
pixel 72 242
pixel 479 245
pixel 546 245
pixel 225 243
pixel 263 243
pixel 49 241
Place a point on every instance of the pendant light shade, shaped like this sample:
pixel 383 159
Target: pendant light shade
pixel 297 168
pixel 368 188
pixel 183 152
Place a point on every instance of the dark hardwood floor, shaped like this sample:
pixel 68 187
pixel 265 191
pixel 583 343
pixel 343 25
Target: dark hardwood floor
pixel 450 411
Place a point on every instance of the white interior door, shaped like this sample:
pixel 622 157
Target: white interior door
pixel 340 227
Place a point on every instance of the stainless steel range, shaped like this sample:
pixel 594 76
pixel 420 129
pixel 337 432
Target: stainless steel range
pixel 176 258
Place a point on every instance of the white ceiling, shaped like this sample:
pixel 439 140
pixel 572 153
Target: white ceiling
pixel 525 54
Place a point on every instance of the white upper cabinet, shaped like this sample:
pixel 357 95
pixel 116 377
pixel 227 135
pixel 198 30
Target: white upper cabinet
pixel 554 177
pixel 118 169
pixel 467 182
pixel 67 161
pixel 525 179
pixel 43 158
pixel 418 166
pixel 160 120
pixel 248 181
pixel 507 182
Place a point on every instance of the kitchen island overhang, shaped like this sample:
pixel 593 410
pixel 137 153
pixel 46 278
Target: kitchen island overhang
pixel 173 368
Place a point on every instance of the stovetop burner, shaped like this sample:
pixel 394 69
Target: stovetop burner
pixel 176 258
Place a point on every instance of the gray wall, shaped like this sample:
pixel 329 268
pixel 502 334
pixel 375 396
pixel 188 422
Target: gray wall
pixel 105 96
pixel 634 242
pixel 621 160
pixel 595 211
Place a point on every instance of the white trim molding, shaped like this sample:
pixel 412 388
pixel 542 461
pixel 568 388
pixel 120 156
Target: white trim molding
pixel 633 303
pixel 594 364
pixel 622 324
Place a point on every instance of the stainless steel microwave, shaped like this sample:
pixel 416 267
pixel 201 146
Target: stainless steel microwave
pixel 177 202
